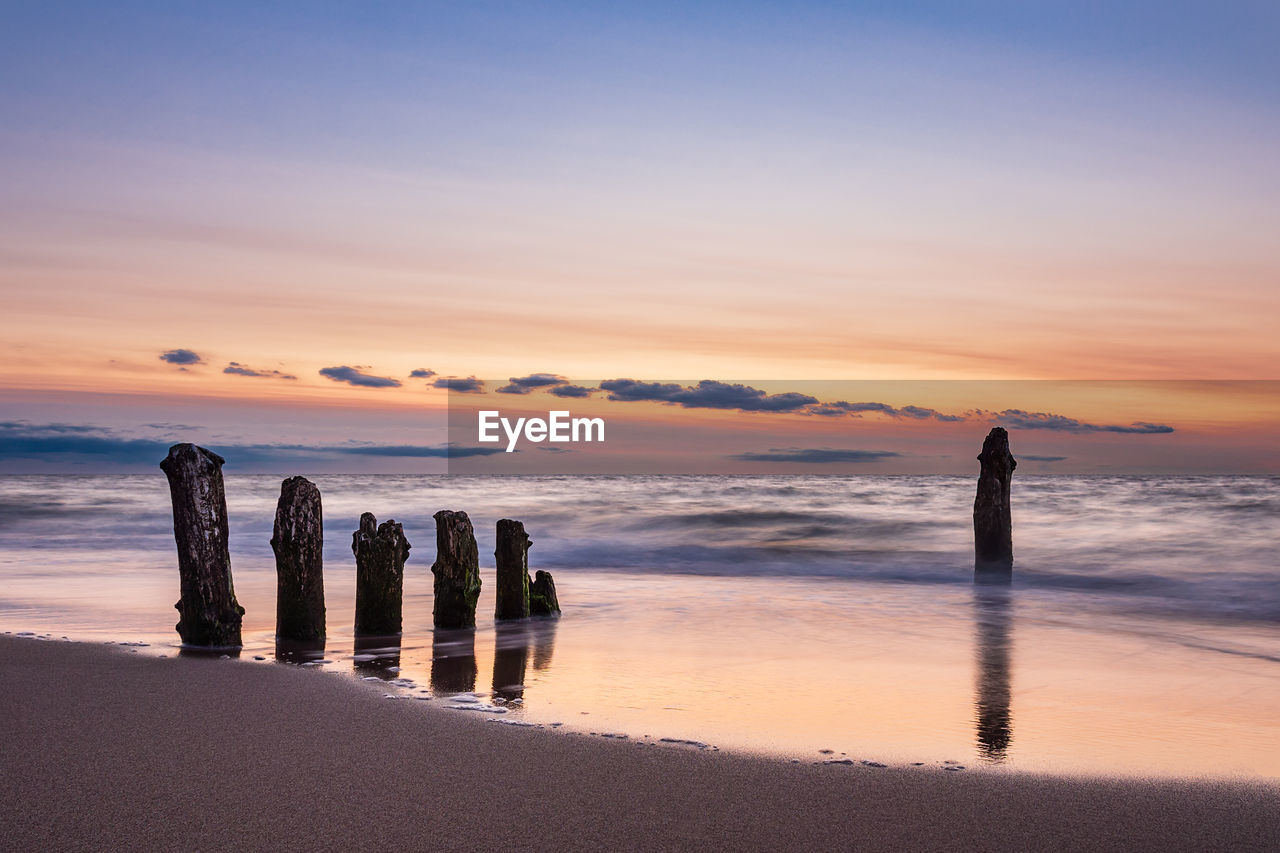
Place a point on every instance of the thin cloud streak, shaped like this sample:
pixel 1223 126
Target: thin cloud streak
pixel 1019 419
pixel 815 455
pixel 235 368
pixel 58 442
pixel 841 407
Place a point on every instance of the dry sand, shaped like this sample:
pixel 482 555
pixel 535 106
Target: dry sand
pixel 107 750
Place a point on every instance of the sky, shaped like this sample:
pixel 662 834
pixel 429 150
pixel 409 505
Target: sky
pixel 299 194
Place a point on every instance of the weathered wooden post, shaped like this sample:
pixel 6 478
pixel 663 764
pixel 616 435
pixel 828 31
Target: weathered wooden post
pixel 298 541
pixel 456 570
pixel 380 554
pixel 992 522
pixel 542 595
pixel 209 612
pixel 512 557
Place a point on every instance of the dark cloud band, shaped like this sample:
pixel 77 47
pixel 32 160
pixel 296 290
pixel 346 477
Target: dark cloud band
pixel 55 442
pixel 707 394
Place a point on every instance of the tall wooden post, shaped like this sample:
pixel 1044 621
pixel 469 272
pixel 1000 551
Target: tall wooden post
pixel 992 520
pixel 209 614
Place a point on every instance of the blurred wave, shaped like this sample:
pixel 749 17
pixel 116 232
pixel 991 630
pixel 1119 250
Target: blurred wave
pixel 1194 546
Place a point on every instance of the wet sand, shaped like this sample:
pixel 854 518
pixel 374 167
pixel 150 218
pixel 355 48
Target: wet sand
pixel 102 749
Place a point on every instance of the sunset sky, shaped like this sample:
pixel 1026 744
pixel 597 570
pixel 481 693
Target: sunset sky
pixel 762 193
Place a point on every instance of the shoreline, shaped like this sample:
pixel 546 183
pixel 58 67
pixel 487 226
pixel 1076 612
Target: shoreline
pixel 410 679
pixel 108 749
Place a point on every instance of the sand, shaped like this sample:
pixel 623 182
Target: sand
pixel 103 749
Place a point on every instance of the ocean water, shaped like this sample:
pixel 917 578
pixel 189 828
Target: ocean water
pixel 818 618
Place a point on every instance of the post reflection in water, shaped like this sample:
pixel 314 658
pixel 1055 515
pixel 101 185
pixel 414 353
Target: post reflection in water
pixel 510 660
pixel 211 652
pixel 453 661
pixel 544 642
pixel 378 656
pixel 298 651
pixel 513 646
pixel 992 618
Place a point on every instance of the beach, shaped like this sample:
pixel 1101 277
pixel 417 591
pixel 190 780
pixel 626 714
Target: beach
pixel 104 749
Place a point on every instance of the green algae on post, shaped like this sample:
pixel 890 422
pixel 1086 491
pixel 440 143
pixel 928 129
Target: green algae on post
pixel 542 595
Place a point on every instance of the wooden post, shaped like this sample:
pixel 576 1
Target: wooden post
pixel 456 570
pixel 380 554
pixel 992 521
pixel 542 596
pixel 298 541
pixel 512 557
pixel 209 614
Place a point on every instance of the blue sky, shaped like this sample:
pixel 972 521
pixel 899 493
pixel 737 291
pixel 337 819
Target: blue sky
pixel 901 191
pixel 358 79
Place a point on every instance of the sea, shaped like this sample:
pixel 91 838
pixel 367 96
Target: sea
pixel 807 618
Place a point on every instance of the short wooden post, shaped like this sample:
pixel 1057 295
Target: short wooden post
pixel 456 570
pixel 542 595
pixel 512 556
pixel 380 552
pixel 298 542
